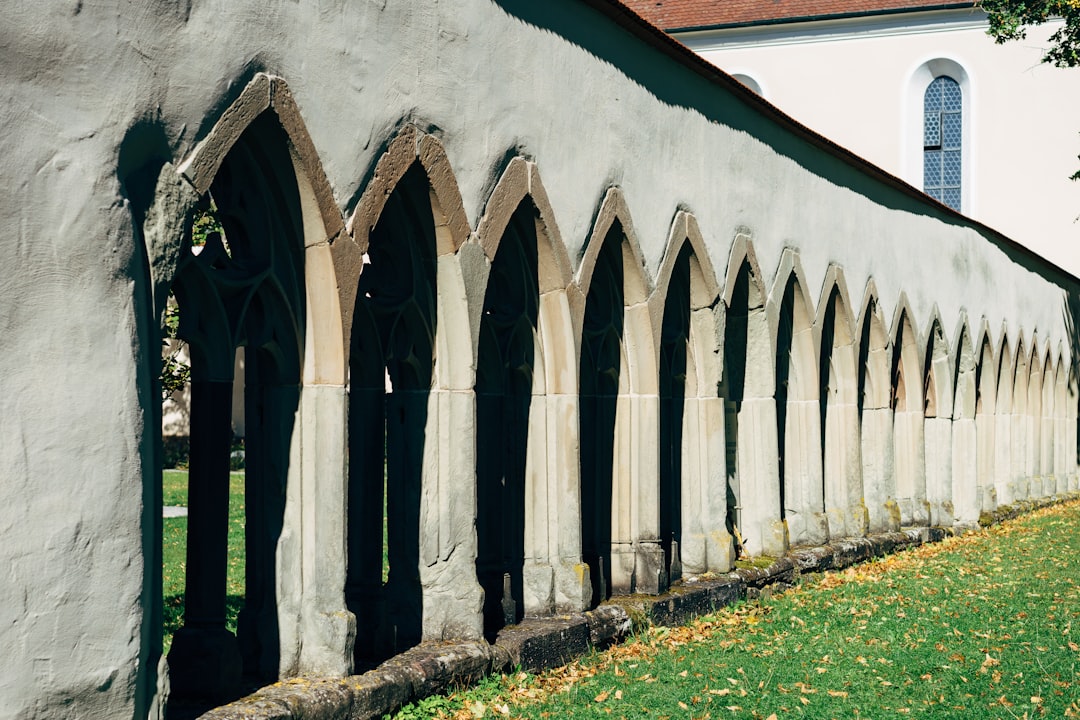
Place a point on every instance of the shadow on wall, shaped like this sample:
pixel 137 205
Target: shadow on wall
pixel 1071 314
pixel 707 91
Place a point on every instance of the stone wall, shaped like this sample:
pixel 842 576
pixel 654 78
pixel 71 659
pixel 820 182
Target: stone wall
pixel 599 274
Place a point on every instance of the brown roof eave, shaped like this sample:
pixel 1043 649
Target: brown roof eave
pixel 660 40
pixel 830 16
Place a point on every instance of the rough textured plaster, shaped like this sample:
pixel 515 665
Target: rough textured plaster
pixel 95 92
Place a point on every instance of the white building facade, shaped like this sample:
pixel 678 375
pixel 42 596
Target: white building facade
pixel 858 73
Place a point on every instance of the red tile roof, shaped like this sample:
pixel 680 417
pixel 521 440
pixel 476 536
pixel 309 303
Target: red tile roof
pixel 682 14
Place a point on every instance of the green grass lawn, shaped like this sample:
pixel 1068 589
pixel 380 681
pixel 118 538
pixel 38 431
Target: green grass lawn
pixel 984 625
pixel 174 552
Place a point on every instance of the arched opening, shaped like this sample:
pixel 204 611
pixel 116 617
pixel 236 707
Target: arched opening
pixel 1021 430
pixel 1033 471
pixel 1003 430
pixel 504 387
pixel 798 420
pixel 876 422
pixel 391 371
pixel 1061 438
pixel 601 374
pixel 753 485
pixel 986 427
pixel 938 422
pixel 1046 432
pixel 244 287
pixel 692 476
pixel 965 432
pixel 839 407
pixel 674 361
pixel 908 447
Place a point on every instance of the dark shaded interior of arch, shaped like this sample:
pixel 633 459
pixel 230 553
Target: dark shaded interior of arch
pixel 864 360
pixel 828 342
pixel 733 387
pixel 899 398
pixel 601 359
pixel 675 334
pixel 504 379
pixel 929 391
pixel 393 337
pixel 255 273
pixel 980 367
pixel 784 336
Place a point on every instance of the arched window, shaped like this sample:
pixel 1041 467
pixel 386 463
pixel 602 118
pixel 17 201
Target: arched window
pixel 942 140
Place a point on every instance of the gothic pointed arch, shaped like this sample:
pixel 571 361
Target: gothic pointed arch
pixel 265 282
pixel 908 417
pixel 874 391
pixel 986 387
pixel 618 410
pixel 1033 463
pixel 529 550
pixel 1046 421
pixel 411 385
pixel 753 484
pixel 838 377
pixel 938 420
pixel 1019 422
pixel 790 311
pixel 1003 441
pixel 965 436
pixel 691 453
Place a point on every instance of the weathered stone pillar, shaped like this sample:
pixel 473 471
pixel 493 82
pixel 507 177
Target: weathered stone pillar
pixel 965 466
pixel 1003 447
pixel 879 475
pixel 328 629
pixel 759 479
pixel 986 461
pixel 910 462
pixel 706 544
pixel 452 598
pixel 843 472
pixel 1019 480
pixel 205 659
pixel 939 468
pixel 804 492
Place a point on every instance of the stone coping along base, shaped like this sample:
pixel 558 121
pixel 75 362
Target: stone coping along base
pixel 538 644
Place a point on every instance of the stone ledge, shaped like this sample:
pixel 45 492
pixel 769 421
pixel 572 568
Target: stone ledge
pixel 541 643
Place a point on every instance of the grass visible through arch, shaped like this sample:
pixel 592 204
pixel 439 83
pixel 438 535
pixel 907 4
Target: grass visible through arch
pixel 174 552
pixel 983 625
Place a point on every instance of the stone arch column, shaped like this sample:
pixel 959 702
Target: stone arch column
pixel 965 431
pixel 1071 439
pixel 908 442
pixel 1046 433
pixel 269 286
pixel 1003 435
pixel 839 407
pixel 937 433
pixel 1033 471
pixel 876 416
pixel 986 423
pixel 752 464
pixel 527 296
pixel 412 405
pixel 1061 432
pixel 619 412
pixel 798 408
pixel 1019 481
pixel 693 498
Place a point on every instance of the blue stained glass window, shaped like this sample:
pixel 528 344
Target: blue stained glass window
pixel 943 141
